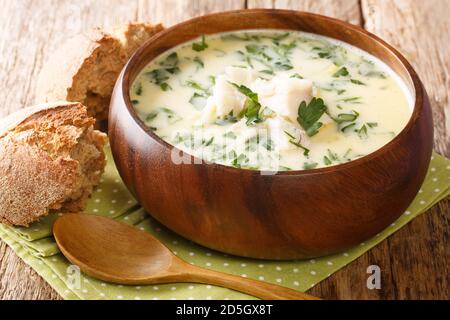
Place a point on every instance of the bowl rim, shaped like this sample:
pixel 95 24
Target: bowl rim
pixel 418 94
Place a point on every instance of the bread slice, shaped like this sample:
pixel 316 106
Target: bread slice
pixel 50 159
pixel 85 68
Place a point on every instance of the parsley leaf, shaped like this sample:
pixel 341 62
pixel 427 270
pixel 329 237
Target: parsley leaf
pixel 229 118
pixel 293 141
pixel 296 75
pixel 138 89
pixel 198 101
pixel 346 117
pixel 251 106
pixel 342 72
pixel 197 86
pixel 358 82
pixel 168 67
pixel 200 46
pixel 362 132
pixel 199 62
pixel 309 114
pixel 310 165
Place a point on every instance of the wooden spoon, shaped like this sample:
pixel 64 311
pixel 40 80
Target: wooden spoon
pixel 116 252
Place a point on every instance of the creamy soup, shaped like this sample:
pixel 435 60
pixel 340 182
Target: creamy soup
pixel 271 100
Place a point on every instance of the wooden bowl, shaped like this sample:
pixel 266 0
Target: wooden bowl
pixel 290 215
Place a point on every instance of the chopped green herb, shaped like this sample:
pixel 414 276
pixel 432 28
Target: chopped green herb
pixel 346 117
pixel 251 143
pixel 309 114
pixel 199 62
pixel 168 111
pixel 324 54
pixel 151 116
pixel 372 124
pixel 326 161
pixel 178 138
pixel 244 37
pixel 267 71
pixel 238 162
pixel 356 81
pixel 273 57
pixel 159 76
pixel 310 165
pixel 165 86
pixel 230 134
pixel 200 46
pixel 293 141
pixel 343 129
pixel 208 142
pixel 277 37
pixel 362 132
pixel 195 85
pixel 296 75
pixel 198 101
pixel 283 66
pixel 229 118
pixel 332 155
pixel 347 153
pixel 342 72
pixel 138 90
pixel 171 63
pixel 351 99
pixel 220 53
pixel 135 102
pixel 268 144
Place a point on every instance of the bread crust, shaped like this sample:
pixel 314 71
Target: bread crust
pixel 56 78
pixel 84 68
pixel 40 169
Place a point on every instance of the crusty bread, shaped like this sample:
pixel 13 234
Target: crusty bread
pixel 50 159
pixel 85 68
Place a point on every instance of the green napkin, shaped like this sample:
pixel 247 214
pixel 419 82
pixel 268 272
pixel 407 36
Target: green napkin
pixel 37 248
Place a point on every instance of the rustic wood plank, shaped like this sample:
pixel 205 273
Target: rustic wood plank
pixel 420 252
pixel 348 10
pixel 174 11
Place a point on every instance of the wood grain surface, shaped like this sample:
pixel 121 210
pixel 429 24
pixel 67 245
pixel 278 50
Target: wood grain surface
pixel 414 261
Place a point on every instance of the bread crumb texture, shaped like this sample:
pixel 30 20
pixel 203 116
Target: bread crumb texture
pixel 85 68
pixel 50 159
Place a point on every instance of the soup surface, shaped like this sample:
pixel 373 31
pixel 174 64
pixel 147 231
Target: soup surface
pixel 271 100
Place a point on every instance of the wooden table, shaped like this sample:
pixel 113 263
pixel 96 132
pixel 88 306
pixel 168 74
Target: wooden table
pixel 414 261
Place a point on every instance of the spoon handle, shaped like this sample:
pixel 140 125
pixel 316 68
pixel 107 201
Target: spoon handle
pixel 259 289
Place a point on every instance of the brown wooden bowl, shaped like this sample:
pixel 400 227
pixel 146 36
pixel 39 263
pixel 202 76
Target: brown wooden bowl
pixel 290 215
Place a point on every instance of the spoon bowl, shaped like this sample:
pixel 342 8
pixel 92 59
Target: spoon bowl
pixel 116 252
pixel 110 253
